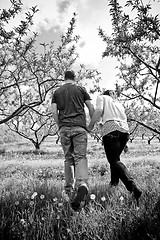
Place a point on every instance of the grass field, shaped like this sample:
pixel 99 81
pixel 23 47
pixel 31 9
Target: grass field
pixel 33 204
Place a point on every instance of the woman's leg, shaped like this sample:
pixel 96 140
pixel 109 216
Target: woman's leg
pixel 114 144
pixel 112 148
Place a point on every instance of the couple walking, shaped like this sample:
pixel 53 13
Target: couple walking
pixel 68 103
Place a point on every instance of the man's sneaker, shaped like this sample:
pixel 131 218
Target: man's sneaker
pixel 137 194
pixel 80 199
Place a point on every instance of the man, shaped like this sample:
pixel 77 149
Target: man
pixel 68 104
pixel 115 135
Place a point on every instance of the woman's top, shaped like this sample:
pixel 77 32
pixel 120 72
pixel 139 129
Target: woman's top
pixel 113 115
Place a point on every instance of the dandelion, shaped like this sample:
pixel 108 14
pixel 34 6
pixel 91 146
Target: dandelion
pixel 23 222
pixel 121 198
pixel 31 203
pixel 27 197
pixel 93 197
pixel 60 204
pixel 65 196
pixel 17 203
pixel 63 192
pixel 42 197
pixel 69 230
pixel 34 195
pixel 103 199
pixel 55 199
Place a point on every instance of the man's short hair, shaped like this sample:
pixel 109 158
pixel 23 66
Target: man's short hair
pixel 69 75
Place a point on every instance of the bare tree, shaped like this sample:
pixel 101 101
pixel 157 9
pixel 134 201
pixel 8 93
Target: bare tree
pixel 28 77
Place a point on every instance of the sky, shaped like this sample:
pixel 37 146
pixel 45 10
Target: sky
pixel 53 19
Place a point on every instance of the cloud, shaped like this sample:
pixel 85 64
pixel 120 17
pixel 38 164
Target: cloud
pixel 82 44
pixel 57 15
pixel 53 19
pixel 63 5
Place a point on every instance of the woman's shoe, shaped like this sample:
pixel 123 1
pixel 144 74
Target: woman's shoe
pixel 137 194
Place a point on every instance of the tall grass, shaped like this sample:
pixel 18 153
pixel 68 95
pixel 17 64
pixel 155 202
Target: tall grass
pixel 33 204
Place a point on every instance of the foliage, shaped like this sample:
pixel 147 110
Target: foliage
pixel 134 42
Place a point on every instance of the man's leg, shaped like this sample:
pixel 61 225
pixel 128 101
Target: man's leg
pixel 80 151
pixel 69 166
pixel 81 167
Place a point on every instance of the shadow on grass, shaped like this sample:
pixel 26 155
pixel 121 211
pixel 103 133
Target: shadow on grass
pixel 32 152
pixel 146 227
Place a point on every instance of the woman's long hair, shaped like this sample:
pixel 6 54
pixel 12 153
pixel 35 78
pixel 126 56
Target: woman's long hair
pixel 107 92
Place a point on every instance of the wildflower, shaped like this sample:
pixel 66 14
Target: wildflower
pixel 121 198
pixel 42 197
pixel 65 196
pixel 55 199
pixel 92 196
pixel 23 222
pixel 17 203
pixel 60 204
pixel 31 203
pixel 103 199
pixel 63 192
pixel 69 230
pixel 34 195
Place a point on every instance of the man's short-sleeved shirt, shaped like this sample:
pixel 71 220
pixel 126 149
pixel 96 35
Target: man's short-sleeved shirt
pixel 70 100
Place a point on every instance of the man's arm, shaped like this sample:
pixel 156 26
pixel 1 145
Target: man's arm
pixel 90 107
pixel 98 112
pixel 55 112
pixel 96 115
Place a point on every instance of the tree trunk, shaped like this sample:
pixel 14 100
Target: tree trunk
pixel 37 145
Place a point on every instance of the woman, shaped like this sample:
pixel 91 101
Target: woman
pixel 115 135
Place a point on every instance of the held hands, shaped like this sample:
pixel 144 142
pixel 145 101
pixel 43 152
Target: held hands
pixel 90 128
